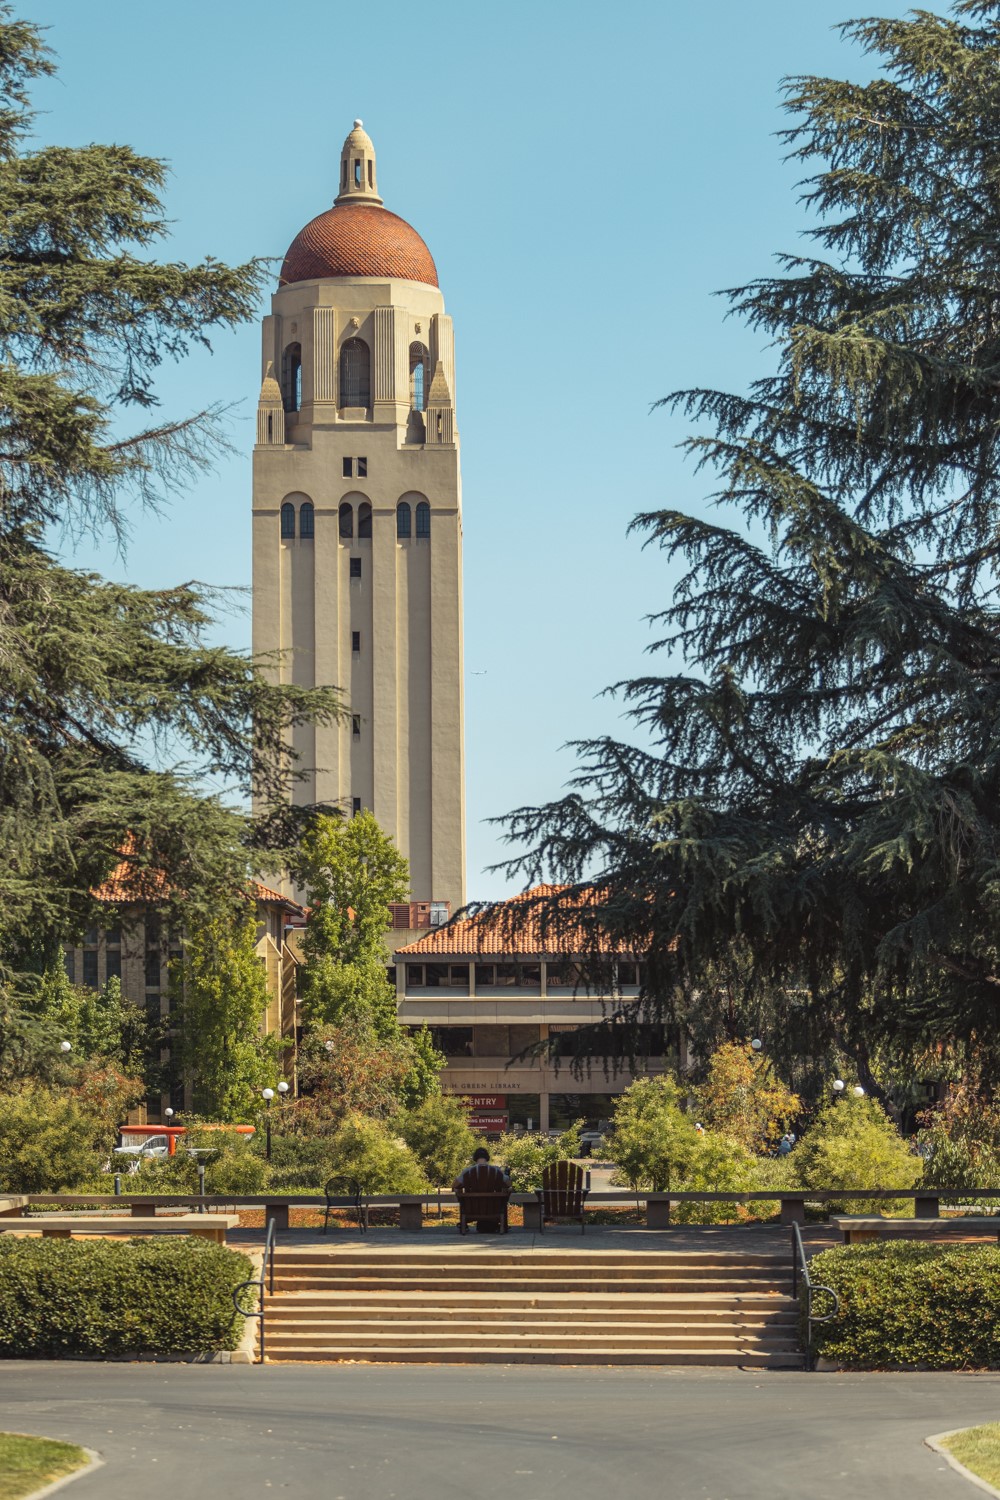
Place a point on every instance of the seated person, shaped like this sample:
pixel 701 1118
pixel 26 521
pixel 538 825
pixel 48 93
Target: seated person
pixel 466 1179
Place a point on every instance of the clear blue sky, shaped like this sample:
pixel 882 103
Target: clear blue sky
pixel 586 176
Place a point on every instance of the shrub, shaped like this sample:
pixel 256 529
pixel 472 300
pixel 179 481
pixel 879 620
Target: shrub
pixel 527 1156
pixel 717 1165
pixel 440 1137
pixel 237 1172
pixel 49 1141
pixel 299 1161
pixel 163 1174
pixel 364 1152
pixel 854 1144
pixel 906 1303
pixel 114 1297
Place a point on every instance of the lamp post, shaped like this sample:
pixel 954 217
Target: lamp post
pixel 168 1114
pixel 268 1096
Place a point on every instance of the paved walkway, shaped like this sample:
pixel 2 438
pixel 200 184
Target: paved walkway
pixel 753 1238
pixel 460 1433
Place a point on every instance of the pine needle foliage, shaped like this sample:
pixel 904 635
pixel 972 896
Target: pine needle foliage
pixel 114 706
pixel 814 795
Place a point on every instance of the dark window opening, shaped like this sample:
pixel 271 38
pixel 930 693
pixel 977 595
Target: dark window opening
pixel 287 521
pixel 113 937
pixel 356 726
pixel 90 937
pixel 270 429
pixel 343 175
pixel 414 976
pixel 355 373
pixel 355 640
pixel 423 519
pixel 113 964
pixel 357 171
pixel 418 376
pixel 291 377
pixel 453 1041
pixel 371 174
pixel 69 964
pixel 364 520
pixel 346 520
pixel 403 515
pixel 355 805
pixel 307 521
pixel 153 969
pixel 355 567
pixel 362 468
pixel 348 468
pixel 90 968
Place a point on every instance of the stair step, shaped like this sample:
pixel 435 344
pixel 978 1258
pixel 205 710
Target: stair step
pixel 443 1335
pixel 279 1316
pixel 512 1355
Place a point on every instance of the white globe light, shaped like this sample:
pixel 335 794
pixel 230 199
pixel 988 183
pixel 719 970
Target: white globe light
pixel 65 1046
pixel 756 1044
pixel 269 1093
pixel 282 1087
pixel 328 1046
pixel 169 1113
pixel 858 1091
pixel 838 1085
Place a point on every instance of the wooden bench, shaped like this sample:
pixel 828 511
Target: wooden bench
pixel 63 1226
pixel 858 1230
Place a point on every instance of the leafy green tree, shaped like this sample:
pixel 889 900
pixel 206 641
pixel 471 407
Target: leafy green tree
pixel 816 785
pixel 526 1156
pixel 352 872
pixel 853 1144
pixel 93 673
pixel 423 1081
pixel 364 1153
pixel 349 1070
pixel 438 1133
pixel 219 995
pixel 49 1141
pixel 652 1141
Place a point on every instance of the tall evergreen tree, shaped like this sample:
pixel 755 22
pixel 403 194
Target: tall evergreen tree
pixel 113 706
pixel 815 799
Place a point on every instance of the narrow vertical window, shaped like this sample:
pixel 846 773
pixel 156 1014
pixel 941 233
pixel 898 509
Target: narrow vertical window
pixel 357 171
pixel 403 515
pixel 364 519
pixel 291 377
pixel 356 641
pixel 371 173
pixel 355 569
pixel 356 726
pixel 348 468
pixel 355 373
pixel 362 468
pixel 346 520
pixel 418 376
pixel 307 521
pixel 287 521
pixel 355 805
pixel 423 519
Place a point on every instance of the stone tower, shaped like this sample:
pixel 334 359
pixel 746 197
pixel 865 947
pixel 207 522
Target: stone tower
pixel 357 521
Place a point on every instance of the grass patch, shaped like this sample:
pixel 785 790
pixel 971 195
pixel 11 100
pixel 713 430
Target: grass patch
pixel 27 1463
pixel 978 1448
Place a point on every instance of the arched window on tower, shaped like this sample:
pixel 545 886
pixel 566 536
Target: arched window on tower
pixel 291 377
pixel 423 519
pixel 307 521
pixel 364 519
pixel 403 514
pixel 355 373
pixel 346 520
pixel 287 521
pixel 419 358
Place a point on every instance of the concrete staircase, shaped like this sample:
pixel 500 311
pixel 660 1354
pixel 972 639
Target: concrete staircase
pixel 471 1306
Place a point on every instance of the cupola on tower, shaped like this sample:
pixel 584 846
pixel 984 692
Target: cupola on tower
pixel 357 521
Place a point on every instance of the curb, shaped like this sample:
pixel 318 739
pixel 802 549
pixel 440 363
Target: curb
pixel 96 1462
pixel 937 1444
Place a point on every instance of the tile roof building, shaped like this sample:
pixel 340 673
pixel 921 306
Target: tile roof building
pixel 492 986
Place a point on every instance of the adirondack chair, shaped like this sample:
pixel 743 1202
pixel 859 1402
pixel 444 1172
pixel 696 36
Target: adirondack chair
pixel 483 1193
pixel 563 1193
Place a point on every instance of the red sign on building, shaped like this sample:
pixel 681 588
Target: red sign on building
pixel 484 1101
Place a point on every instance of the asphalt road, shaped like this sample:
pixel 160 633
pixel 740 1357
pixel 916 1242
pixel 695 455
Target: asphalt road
pixel 181 1432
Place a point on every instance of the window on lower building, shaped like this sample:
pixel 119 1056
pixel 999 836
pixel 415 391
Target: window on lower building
pixel 113 963
pixel 423 519
pixel 362 468
pixel 414 976
pixel 356 726
pixel 153 969
pixel 69 964
pixel 348 468
pixel 355 640
pixel 403 520
pixel 355 567
pixel 364 520
pixel 491 1041
pixel 453 1041
pixel 90 968
pixel 355 805
pixel 287 521
pixel 307 521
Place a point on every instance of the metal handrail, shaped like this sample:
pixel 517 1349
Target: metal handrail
pixel 266 1275
pixel 800 1272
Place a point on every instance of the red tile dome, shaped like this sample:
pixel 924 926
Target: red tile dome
pixel 358 239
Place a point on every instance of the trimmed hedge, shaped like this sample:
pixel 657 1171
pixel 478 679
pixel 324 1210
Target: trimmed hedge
pixel 100 1298
pixel 907 1303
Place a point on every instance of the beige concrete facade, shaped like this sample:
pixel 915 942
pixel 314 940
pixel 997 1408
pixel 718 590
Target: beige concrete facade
pixel 357 542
